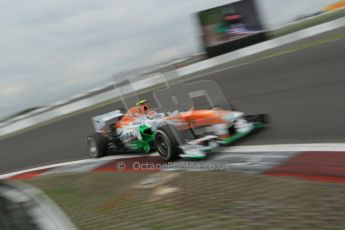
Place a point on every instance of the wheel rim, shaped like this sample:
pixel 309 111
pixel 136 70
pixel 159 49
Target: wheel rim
pixel 93 150
pixel 163 145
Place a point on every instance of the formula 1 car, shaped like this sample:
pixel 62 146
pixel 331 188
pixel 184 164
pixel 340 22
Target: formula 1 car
pixel 189 134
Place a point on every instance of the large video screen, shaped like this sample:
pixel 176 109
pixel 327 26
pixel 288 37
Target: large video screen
pixel 228 23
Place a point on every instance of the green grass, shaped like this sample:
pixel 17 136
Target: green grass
pixel 209 200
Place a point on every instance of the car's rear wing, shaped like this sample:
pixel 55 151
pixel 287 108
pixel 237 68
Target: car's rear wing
pixel 104 122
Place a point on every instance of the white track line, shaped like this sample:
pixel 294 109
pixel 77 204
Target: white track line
pixel 105 159
pixel 336 147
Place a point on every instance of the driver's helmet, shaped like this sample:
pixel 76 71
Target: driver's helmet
pixel 141 102
pixel 143 106
pixel 145 109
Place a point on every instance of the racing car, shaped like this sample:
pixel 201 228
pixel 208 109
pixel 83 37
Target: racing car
pixel 187 134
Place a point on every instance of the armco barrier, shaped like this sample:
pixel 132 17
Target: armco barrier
pixel 35 119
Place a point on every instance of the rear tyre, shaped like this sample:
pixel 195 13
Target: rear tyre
pixel 167 142
pixel 97 145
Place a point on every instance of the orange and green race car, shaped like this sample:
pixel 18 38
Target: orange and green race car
pixel 188 134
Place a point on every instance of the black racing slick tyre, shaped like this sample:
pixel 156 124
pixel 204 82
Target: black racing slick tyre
pixel 97 145
pixel 167 142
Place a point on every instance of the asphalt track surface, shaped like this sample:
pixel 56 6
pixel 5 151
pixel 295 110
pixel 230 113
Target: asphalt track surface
pixel 301 86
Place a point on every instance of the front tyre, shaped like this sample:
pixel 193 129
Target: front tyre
pixel 97 145
pixel 167 141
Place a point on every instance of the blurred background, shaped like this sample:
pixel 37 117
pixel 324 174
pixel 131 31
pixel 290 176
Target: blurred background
pixel 53 50
pixel 61 59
